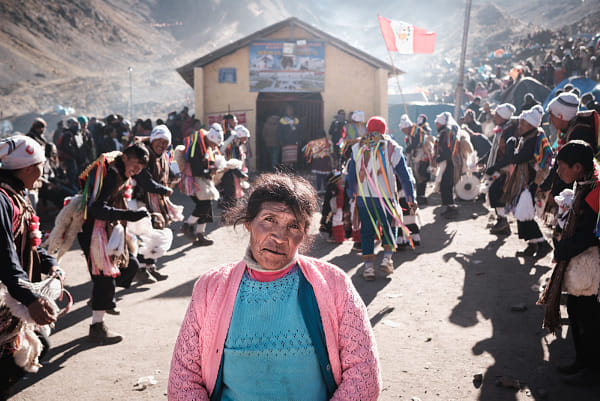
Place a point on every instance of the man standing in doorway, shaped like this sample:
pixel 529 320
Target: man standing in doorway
pixel 289 136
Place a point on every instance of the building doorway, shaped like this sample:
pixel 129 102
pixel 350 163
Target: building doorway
pixel 308 108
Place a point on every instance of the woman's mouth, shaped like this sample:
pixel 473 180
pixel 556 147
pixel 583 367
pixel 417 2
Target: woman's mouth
pixel 274 252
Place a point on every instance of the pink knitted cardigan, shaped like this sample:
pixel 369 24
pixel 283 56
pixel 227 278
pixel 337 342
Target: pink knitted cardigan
pixel 350 343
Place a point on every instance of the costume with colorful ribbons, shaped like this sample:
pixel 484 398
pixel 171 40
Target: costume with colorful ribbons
pixel 376 158
pixel 92 178
pixel 453 139
pixel 543 152
pixel 316 149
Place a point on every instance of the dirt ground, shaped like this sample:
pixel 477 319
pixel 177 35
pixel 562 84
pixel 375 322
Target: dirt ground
pixel 445 315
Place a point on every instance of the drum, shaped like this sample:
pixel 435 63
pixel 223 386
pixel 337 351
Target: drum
pixel 468 187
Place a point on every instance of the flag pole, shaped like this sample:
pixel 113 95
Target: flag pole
pixel 461 70
pixel 393 67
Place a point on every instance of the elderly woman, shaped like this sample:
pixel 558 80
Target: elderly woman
pixel 276 325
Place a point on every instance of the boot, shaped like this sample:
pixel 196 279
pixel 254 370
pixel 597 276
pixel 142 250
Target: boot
pixel 156 274
pixel 202 240
pixel 501 227
pixel 100 334
pixel 529 251
pixel 188 230
pixel 543 249
pixel 143 277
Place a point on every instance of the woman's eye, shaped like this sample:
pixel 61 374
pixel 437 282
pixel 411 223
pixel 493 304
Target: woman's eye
pixel 294 226
pixel 269 219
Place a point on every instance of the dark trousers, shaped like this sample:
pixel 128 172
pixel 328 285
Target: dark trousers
pixel 529 230
pixel 584 319
pixel 421 188
pixel 495 191
pixel 447 184
pixel 103 291
pixel 203 210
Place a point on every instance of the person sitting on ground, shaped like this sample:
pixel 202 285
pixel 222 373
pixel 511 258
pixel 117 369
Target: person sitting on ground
pixel 284 325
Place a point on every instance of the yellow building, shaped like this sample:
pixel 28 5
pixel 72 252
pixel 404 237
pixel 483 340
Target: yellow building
pixel 288 63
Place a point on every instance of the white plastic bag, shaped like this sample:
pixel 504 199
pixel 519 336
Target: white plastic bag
pixel 524 211
pixel 116 243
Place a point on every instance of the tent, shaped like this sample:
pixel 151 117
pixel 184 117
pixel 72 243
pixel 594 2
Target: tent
pixel 515 93
pixel 583 84
pixel 431 110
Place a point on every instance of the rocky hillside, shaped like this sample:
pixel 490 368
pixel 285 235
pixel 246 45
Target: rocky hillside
pixel 77 53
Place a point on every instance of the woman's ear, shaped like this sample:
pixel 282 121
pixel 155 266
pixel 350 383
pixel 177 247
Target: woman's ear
pixel 247 225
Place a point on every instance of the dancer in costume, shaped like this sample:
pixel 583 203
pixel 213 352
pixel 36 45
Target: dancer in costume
pixel 199 159
pixel 501 153
pixel 448 154
pixel 375 162
pixel 233 180
pixel 332 212
pixel 152 191
pixel 418 151
pixel 106 187
pixel 317 154
pixel 533 154
pixel 21 161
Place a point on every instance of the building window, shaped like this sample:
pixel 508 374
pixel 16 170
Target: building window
pixel 227 76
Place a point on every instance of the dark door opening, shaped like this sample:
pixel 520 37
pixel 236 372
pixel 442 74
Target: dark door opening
pixel 308 108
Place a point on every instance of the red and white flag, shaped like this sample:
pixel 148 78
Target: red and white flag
pixel 405 38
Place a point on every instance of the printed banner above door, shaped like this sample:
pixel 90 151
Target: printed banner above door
pixel 280 66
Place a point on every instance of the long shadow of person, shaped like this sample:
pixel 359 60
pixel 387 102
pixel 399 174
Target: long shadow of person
pixel 54 361
pixel 500 289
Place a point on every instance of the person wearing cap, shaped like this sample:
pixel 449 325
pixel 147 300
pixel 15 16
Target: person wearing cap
pixel 89 146
pixel 23 261
pixel 106 183
pixel 499 159
pixel 152 190
pixel 417 154
pixel 376 161
pixel 447 152
pixel 356 128
pixel 530 157
pixel 199 159
pixel 36 132
pixel 234 151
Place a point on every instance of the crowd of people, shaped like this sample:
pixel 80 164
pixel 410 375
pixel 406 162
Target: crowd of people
pixel 113 187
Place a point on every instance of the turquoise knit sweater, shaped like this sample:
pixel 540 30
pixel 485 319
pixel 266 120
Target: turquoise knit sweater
pixel 268 352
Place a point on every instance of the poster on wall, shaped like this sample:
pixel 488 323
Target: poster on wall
pixel 280 66
pixel 218 118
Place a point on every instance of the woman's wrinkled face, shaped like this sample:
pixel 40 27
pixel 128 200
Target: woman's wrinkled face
pixel 275 235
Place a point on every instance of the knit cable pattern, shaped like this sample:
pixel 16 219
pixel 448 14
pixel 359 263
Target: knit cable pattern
pixel 350 342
